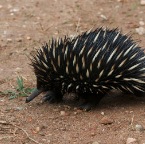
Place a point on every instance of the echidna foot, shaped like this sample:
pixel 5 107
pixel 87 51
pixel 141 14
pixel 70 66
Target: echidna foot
pixel 51 97
pixel 91 100
pixel 86 106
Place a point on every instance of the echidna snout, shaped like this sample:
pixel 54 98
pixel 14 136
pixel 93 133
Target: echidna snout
pixel 34 94
pixel 90 64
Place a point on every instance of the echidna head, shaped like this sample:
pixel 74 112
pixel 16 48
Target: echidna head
pixel 34 94
pixel 41 87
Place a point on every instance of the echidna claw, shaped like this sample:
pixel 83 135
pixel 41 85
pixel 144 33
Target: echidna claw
pixel 87 106
pixel 50 97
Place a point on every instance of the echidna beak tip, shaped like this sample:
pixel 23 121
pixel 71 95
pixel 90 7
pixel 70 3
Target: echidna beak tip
pixel 34 94
pixel 27 100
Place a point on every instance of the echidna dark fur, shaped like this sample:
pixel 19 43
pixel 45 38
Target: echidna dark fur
pixel 90 65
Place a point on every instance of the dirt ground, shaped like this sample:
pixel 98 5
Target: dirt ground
pixel 24 26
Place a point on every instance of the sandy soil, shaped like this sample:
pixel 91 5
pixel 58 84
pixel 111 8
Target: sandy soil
pixel 24 26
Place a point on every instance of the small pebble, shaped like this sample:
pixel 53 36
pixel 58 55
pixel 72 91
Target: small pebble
pixel 18 69
pixel 11 14
pixel 93 134
pixel 49 134
pixel 63 129
pixel 62 113
pixel 14 10
pixel 130 140
pixel 19 39
pixel 1 100
pixel 142 2
pixel 3 122
pixel 102 113
pixel 5 32
pixel 103 17
pixel 28 38
pixel 9 40
pixel 37 129
pixel 1 6
pixel 106 120
pixel 75 113
pixel 141 23
pixel 140 30
pixel 139 127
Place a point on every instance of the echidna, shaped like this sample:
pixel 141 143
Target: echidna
pixel 90 65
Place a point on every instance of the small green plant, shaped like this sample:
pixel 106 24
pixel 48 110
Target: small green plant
pixel 20 90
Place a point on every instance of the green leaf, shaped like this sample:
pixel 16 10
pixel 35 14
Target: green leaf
pixel 8 92
pixel 23 94
pixel 20 90
pixel 29 90
pixel 20 83
pixel 13 96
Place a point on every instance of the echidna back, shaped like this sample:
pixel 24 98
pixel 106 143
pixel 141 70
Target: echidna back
pixel 94 61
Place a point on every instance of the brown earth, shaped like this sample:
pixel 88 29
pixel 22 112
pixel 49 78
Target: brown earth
pixel 24 26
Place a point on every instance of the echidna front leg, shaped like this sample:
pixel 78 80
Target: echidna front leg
pixel 91 100
pixel 52 97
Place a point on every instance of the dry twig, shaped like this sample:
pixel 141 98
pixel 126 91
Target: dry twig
pixel 9 123
pixel 5 137
pixel 25 133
